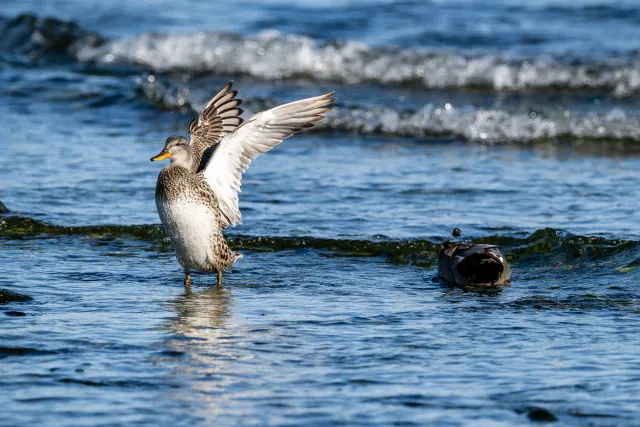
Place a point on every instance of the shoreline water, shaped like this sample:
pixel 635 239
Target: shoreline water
pixel 518 124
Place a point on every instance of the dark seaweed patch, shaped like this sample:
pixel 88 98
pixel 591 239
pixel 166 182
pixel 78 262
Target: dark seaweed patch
pixel 540 248
pixel 10 296
pixel 22 351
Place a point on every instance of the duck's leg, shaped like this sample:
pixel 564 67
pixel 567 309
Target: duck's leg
pixel 219 278
pixel 187 280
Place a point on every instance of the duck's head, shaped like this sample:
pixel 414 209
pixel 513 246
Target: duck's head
pixel 176 149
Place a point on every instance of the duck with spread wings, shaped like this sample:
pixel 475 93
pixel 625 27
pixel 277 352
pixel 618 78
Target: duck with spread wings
pixel 197 193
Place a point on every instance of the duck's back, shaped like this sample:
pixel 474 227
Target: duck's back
pixel 188 209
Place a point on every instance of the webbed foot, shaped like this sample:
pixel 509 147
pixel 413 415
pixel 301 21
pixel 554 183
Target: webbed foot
pixel 187 281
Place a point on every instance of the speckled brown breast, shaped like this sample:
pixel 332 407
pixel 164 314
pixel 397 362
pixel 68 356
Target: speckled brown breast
pixel 188 209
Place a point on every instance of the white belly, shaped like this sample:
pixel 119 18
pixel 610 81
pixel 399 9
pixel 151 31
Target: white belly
pixel 192 228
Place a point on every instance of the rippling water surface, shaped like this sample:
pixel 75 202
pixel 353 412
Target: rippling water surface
pixel 517 123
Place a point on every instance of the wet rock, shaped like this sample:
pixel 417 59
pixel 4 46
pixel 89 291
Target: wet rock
pixel 541 415
pixel 3 208
pixel 456 232
pixel 15 313
pixel 468 264
pixel 10 296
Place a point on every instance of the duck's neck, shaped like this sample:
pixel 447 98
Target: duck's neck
pixel 183 158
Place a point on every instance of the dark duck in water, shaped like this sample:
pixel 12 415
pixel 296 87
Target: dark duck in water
pixel 470 264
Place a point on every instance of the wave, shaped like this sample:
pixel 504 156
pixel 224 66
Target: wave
pixel 487 125
pixel 548 243
pixel 18 227
pixel 34 36
pixel 490 126
pixel 275 56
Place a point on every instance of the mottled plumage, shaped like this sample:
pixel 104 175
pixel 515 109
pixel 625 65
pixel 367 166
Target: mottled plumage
pixel 219 117
pixel 197 193
pixel 188 209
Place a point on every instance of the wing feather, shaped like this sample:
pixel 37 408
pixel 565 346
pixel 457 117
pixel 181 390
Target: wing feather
pixel 232 156
pixel 220 116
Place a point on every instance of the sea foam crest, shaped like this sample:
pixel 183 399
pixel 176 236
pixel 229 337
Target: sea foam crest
pixel 271 55
pixel 487 125
pixel 491 126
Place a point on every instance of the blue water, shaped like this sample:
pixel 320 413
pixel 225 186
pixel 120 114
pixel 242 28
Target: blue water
pixel 518 123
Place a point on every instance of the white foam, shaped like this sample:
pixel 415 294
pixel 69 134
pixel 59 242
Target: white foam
pixel 491 126
pixel 271 55
pixel 487 125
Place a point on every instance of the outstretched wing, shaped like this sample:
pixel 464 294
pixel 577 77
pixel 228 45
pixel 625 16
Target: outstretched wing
pixel 219 117
pixel 233 155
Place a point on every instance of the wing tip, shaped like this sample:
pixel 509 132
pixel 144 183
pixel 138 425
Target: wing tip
pixel 327 99
pixel 224 91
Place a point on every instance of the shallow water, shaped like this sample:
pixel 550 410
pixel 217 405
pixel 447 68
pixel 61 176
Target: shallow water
pixel 522 130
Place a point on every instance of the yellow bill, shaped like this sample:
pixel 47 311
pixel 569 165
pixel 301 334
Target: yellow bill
pixel 163 155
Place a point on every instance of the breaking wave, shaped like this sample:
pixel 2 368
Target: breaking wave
pixel 272 55
pixel 491 126
pixel 34 36
pixel 547 243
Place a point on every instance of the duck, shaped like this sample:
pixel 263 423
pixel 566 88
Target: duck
pixel 473 264
pixel 197 192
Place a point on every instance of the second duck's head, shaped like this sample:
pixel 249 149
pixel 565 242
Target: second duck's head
pixel 177 149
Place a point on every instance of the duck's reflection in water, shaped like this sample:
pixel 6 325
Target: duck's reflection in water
pixel 205 334
pixel 201 310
